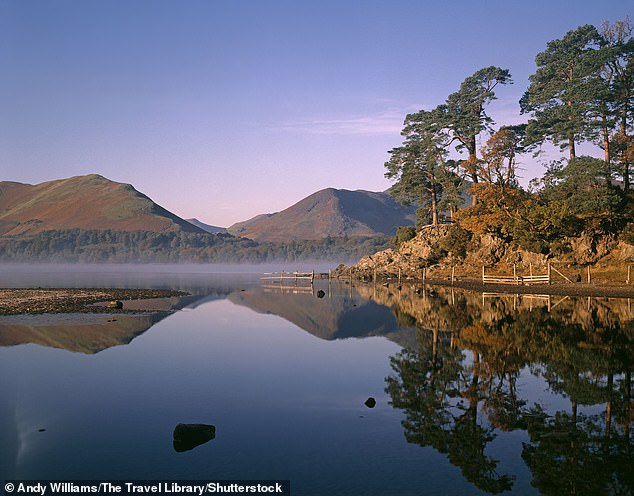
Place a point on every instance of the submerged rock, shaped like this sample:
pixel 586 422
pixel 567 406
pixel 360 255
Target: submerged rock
pixel 188 436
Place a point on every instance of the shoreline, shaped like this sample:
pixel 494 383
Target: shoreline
pixel 559 289
pixel 21 301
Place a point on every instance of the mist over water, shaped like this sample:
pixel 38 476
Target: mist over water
pixel 160 276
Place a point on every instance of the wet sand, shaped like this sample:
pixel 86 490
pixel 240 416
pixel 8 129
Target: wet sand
pixel 15 301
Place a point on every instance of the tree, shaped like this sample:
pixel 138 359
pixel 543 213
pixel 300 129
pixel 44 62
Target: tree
pixel 584 184
pixel 499 155
pixel 419 166
pixel 616 108
pixel 464 115
pixel 561 89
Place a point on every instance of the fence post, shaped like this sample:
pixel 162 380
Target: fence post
pixel 483 273
pixel 628 274
pixel 515 274
pixel 453 267
pixel 549 280
pixel 589 278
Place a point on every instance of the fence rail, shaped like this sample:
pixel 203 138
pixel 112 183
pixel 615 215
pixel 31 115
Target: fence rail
pixel 292 276
pixel 515 278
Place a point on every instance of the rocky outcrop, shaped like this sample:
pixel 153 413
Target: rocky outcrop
pixel 435 249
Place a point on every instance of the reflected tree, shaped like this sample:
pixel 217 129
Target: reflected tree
pixel 459 388
pixel 439 394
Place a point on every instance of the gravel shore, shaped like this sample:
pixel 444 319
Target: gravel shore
pixel 15 301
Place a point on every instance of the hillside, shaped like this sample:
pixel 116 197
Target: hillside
pixel 91 219
pixel 334 213
pixel 82 202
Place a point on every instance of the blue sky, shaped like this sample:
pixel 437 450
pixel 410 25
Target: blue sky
pixel 222 110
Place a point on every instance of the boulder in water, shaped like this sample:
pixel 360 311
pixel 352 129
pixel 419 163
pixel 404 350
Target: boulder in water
pixel 189 436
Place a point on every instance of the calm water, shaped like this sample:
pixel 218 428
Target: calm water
pixel 474 395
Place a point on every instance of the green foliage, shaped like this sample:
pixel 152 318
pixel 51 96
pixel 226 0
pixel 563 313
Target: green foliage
pixel 561 89
pixel 419 166
pixel 585 185
pixel 456 243
pixel 403 234
pixel 576 198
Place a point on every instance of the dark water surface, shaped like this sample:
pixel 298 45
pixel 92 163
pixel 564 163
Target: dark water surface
pixel 474 394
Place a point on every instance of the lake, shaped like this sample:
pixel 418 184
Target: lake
pixel 474 394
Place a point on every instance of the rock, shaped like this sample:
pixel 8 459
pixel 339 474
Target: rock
pixel 321 293
pixel 116 304
pixel 370 402
pixel 189 436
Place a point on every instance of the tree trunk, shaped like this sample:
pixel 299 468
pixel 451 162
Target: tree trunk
pixel 434 207
pixel 571 137
pixel 625 162
pixel 606 138
pixel 473 160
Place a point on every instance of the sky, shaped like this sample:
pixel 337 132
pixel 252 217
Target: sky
pixel 226 109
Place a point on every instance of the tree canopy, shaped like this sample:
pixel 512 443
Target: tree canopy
pixel 581 92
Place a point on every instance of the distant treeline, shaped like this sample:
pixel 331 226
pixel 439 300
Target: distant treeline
pixel 98 246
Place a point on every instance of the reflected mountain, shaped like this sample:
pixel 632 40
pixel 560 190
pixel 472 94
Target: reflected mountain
pixel 89 333
pixel 337 314
pixel 79 333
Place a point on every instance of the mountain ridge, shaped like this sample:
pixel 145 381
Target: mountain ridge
pixel 330 212
pixel 86 202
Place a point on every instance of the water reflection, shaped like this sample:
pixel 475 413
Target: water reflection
pixel 478 379
pixel 460 386
pixel 91 333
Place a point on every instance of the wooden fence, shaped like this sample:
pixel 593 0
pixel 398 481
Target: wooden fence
pixel 515 278
pixel 283 276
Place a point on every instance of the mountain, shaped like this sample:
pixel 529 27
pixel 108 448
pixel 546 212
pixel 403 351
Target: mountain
pixel 82 333
pixel 240 227
pixel 206 227
pixel 327 213
pixel 84 202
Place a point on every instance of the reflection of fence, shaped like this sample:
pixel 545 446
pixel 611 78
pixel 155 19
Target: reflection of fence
pixel 296 277
pixel 529 300
pixel 515 278
pixel 279 289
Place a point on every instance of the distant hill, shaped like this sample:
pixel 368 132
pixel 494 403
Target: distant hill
pixel 206 227
pixel 91 219
pixel 239 228
pixel 335 213
pixel 83 202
